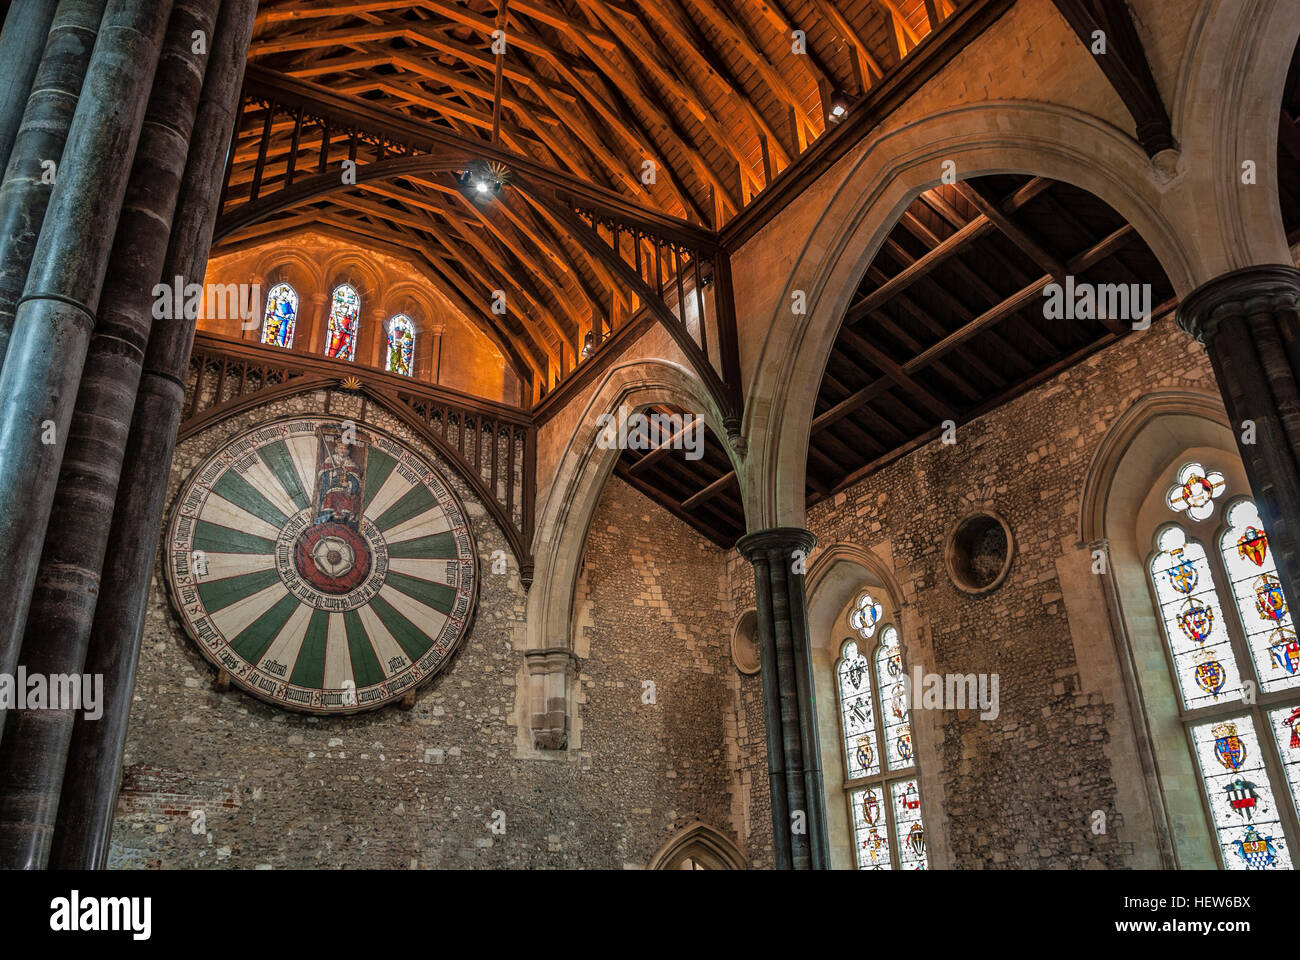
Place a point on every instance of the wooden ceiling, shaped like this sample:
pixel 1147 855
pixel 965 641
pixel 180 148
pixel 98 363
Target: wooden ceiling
pixel 708 93
pixel 703 492
pixel 947 324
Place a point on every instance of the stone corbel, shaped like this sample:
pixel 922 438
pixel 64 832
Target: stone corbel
pixel 549 673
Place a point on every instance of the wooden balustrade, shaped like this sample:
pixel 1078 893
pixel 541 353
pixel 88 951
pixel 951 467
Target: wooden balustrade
pixel 492 445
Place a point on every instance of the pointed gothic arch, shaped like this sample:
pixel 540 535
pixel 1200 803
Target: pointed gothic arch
pixel 993 137
pixel 698 846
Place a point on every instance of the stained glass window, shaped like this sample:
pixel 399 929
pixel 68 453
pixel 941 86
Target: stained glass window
pixel 1261 604
pixel 281 316
pixel 1235 658
pixel 344 321
pixel 1245 813
pixel 401 344
pixel 866 614
pixel 1194 622
pixel 1195 491
pixel 893 701
pixel 861 755
pixel 881 784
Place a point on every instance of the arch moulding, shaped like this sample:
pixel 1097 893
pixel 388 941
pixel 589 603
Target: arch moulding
pixel 1039 139
pixel 584 468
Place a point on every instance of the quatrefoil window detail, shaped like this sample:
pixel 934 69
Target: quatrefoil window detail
pixel 1195 491
pixel 866 614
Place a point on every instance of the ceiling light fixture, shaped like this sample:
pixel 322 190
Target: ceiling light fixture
pixel 839 107
pixel 483 180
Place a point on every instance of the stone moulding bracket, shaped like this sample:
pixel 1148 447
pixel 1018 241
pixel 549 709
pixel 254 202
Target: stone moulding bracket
pixel 550 672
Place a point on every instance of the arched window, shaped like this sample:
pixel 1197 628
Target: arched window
pixel 880 775
pixel 401 345
pixel 344 321
pixel 281 315
pixel 1233 652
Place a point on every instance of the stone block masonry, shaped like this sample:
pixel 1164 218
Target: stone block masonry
pixel 422 788
pixel 1018 791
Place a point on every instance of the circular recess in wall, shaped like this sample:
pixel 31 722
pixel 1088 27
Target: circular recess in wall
pixel 978 553
pixel 744 643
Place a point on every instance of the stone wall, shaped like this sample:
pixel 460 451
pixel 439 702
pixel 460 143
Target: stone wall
pixel 1017 791
pixel 418 788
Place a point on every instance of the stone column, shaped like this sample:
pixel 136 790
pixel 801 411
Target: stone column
pixel 320 313
pixel 549 673
pixel 22 44
pixel 372 340
pixel 46 116
pixel 94 767
pixel 1249 322
pixel 253 330
pixel 779 557
pixel 33 753
pixel 310 337
pixel 52 326
pixel 429 353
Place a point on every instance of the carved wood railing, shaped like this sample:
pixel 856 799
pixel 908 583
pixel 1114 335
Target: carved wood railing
pixel 494 446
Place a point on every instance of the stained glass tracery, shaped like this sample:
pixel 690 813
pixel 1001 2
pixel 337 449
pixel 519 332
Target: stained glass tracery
pixel 883 791
pixel 344 322
pixel 1261 604
pixel 1195 491
pixel 280 316
pixel 1194 622
pixel 1223 657
pixel 401 345
pixel 866 614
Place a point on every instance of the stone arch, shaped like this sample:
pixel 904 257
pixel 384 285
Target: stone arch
pixel 297 269
pixel 1120 508
pixel 411 299
pixel 1119 440
pixel 834 578
pixel 352 268
pixel 701 843
pixel 993 137
pixel 584 468
pixel 1225 111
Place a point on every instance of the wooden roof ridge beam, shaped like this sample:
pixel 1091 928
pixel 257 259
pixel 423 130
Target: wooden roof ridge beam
pixel 657 453
pixel 723 482
pixel 1013 231
pixel 1125 65
pixel 924 318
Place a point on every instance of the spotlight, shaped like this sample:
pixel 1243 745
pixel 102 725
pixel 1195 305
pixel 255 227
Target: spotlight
pixel 839 107
pixel 483 180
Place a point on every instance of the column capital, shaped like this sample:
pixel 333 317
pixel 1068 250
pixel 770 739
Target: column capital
pixel 776 540
pixel 1236 294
